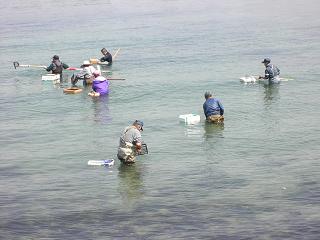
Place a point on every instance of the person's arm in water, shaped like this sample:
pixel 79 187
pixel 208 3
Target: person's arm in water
pixel 266 75
pixel 221 108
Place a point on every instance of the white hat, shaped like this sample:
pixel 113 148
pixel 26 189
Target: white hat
pixel 86 62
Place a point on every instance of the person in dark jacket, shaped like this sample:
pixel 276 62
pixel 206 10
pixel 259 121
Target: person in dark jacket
pixel 107 57
pixel 57 66
pixel 271 73
pixel 213 109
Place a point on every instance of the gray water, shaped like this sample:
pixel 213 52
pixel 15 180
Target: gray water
pixel 256 177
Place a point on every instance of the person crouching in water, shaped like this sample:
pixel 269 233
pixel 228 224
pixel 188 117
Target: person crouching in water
pixel 86 74
pixel 57 66
pixel 100 85
pixel 107 57
pixel 130 143
pixel 213 109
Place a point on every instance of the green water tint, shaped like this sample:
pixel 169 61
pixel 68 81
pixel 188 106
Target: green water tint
pixel 255 177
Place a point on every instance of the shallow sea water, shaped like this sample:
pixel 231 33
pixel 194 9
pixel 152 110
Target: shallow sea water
pixel 255 177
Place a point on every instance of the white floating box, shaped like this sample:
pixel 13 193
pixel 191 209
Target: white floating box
pixel 107 162
pixel 55 78
pixel 189 118
pixel 248 79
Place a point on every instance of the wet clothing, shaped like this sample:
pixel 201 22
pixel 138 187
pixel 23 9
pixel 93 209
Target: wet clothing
pixel 128 139
pixel 87 70
pixel 86 74
pixel 272 73
pixel 56 67
pixel 212 106
pixel 107 58
pixel 215 119
pixel 101 85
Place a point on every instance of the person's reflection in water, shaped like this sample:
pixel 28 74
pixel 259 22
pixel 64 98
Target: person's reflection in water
pixel 212 130
pixel 130 182
pixel 101 109
pixel 271 93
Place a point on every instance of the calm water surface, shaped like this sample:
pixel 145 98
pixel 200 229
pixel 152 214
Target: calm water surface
pixel 256 177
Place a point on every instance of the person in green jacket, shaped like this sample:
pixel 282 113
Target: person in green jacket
pixel 57 66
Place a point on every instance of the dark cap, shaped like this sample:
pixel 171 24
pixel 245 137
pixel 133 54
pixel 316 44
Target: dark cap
pixel 139 122
pixel 207 94
pixel 55 57
pixel 266 60
pixel 104 50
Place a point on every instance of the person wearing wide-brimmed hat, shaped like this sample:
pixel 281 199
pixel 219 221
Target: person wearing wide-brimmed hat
pixel 271 73
pixel 130 142
pixel 56 66
pixel 86 74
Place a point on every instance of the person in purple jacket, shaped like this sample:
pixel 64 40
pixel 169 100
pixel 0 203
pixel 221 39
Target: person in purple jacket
pixel 100 85
pixel 213 109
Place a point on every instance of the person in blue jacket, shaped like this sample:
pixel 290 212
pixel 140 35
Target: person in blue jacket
pixel 271 73
pixel 213 109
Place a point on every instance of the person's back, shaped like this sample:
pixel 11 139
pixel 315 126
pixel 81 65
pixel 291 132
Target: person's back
pixel 88 70
pixel 130 142
pixel 213 109
pixel 86 74
pixel 272 72
pixel 56 66
pixel 100 85
pixel 129 135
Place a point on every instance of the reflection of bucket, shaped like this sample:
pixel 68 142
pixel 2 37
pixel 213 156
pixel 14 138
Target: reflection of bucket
pixel 190 118
pixel 94 60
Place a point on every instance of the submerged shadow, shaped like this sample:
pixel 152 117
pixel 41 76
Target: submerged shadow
pixel 130 182
pixel 212 130
pixel 271 93
pixel 101 109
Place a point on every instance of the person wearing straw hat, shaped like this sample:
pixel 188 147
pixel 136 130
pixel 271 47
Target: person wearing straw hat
pixel 56 66
pixel 271 73
pixel 213 109
pixel 85 74
pixel 130 143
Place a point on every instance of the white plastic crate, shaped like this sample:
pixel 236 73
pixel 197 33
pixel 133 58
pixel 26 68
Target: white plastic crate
pixel 189 118
pixel 51 77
